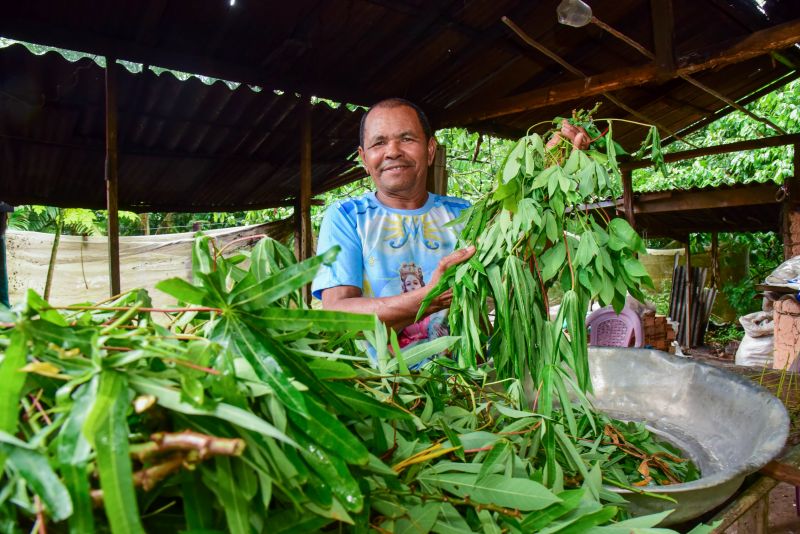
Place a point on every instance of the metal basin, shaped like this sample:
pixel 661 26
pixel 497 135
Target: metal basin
pixel 729 426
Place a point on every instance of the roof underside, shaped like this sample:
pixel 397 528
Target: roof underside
pixel 191 147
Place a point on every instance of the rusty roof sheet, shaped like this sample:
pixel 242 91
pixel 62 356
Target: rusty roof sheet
pixel 183 145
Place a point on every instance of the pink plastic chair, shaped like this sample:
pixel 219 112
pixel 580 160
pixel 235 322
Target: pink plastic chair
pixel 611 330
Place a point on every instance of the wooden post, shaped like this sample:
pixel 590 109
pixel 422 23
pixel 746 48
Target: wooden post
pixel 790 188
pixel 4 210
pixel 437 173
pixel 304 201
pixel 112 177
pixel 688 293
pixel 627 196
pixel 715 276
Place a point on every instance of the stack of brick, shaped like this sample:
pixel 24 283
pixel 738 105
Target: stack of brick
pixel 658 332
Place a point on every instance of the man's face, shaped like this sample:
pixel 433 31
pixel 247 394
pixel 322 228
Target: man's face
pixel 396 152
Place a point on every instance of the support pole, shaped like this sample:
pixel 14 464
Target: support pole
pixel 688 293
pixel 788 208
pixel 715 275
pixel 627 196
pixel 306 236
pixel 112 177
pixel 4 210
pixel 437 173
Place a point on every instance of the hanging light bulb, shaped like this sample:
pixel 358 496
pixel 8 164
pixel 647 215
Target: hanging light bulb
pixel 574 13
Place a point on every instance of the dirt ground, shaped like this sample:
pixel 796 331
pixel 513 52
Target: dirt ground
pixel 783 518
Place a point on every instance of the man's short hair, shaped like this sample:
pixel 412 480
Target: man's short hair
pixel 394 103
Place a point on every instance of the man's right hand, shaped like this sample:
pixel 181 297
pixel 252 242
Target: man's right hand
pixel 454 258
pixel 400 310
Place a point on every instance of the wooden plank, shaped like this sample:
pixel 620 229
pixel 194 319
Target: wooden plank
pixel 112 176
pixel 663 32
pixel 752 144
pixel 752 495
pixel 754 45
pixel 703 200
pixel 782 472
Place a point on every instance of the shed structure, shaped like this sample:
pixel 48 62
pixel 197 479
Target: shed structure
pixel 493 66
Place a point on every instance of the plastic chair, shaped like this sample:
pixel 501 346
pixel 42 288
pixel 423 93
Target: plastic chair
pixel 607 329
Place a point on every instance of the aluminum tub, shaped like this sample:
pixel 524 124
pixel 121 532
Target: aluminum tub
pixel 729 426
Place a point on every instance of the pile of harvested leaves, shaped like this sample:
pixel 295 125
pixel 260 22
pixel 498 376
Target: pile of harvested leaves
pixel 250 413
pixel 242 410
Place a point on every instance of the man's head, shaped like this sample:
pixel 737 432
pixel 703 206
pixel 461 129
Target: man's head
pixel 397 147
pixel 393 103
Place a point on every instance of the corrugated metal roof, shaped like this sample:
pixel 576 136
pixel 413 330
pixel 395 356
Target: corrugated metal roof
pixel 183 144
pixel 186 145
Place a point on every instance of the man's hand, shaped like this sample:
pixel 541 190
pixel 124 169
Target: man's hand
pixel 575 134
pixel 454 258
pixel 400 310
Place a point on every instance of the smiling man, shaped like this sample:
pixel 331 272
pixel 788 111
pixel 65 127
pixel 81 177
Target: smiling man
pixel 395 245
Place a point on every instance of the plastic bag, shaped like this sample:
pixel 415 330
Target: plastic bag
pixel 758 324
pixel 755 351
pixel 758 342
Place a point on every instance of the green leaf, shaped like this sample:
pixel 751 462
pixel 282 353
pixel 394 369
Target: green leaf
pixel 634 267
pixel 106 428
pixel 72 453
pixel 590 520
pixel 419 520
pixel 318 320
pixel 170 398
pixel 12 381
pixel 519 493
pixel 326 430
pixel 282 283
pixel 37 473
pixel 182 290
pixel 363 405
pixel 450 521
pixel 552 260
pixel 570 500
pixel 513 162
pixel 418 353
pixel 226 485
pixel 248 345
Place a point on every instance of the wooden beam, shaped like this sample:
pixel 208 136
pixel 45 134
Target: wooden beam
pixel 791 190
pixel 755 95
pixel 739 146
pixel 306 235
pixel 663 32
pixel 754 45
pixel 112 176
pixel 703 200
pixel 627 196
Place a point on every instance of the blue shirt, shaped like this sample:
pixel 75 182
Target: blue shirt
pixel 379 243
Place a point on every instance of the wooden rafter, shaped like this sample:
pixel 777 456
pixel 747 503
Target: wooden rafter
pixel 663 30
pixel 754 45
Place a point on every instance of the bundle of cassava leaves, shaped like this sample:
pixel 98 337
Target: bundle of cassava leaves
pixel 532 234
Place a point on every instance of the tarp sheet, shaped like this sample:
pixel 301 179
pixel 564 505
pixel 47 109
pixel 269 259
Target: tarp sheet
pixel 81 272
